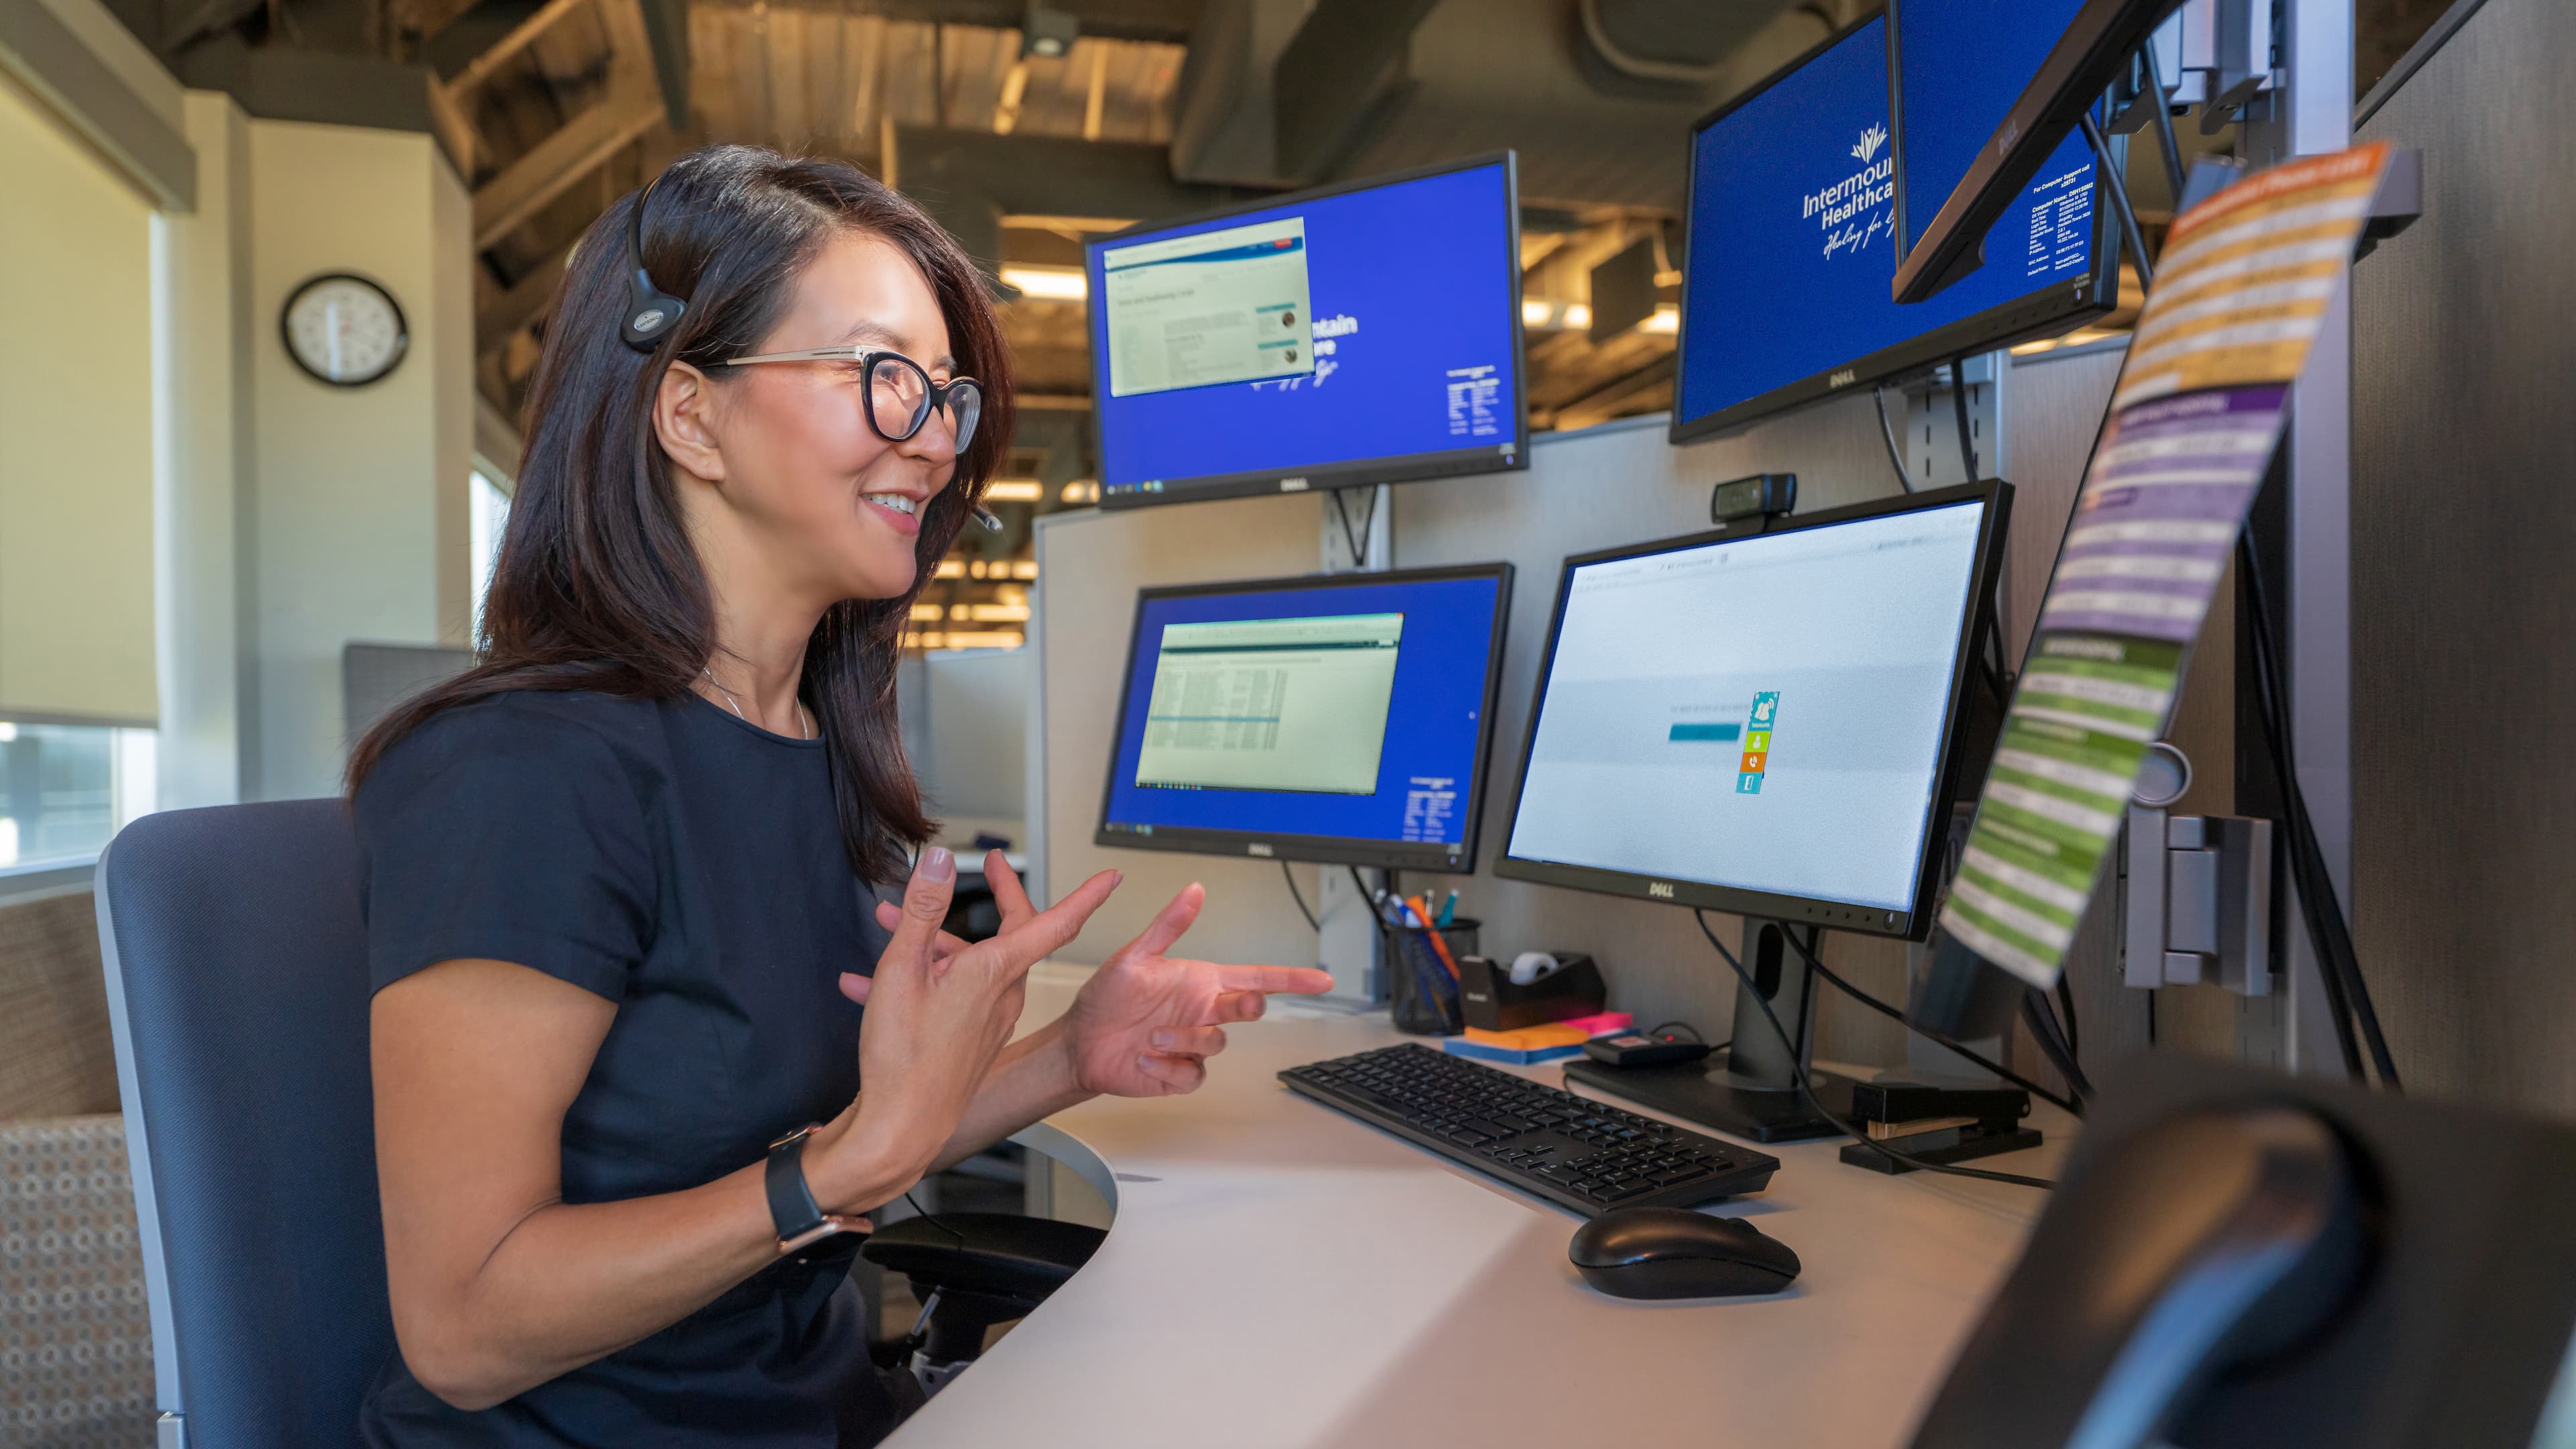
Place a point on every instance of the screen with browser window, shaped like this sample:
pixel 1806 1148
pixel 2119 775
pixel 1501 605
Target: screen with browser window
pixel 1308 710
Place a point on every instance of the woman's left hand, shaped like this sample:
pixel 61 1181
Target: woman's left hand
pixel 1145 1024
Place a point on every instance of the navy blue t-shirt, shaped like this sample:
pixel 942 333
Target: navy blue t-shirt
pixel 686 866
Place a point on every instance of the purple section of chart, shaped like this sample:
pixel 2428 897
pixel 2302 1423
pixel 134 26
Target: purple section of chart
pixel 2160 512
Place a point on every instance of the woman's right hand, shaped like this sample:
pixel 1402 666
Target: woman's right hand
pixel 935 1022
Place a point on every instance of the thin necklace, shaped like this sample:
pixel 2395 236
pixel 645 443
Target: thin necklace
pixel 804 731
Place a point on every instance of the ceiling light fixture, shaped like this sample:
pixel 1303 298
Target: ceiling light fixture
pixel 1050 284
pixel 1047 32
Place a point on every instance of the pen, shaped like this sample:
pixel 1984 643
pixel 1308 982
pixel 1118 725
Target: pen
pixel 1421 911
pixel 1449 910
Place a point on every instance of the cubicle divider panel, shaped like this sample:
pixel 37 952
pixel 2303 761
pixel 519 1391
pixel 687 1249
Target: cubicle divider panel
pixel 2462 780
pixel 1617 483
pixel 1090 565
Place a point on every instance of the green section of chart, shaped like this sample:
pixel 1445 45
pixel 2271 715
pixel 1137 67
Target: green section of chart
pixel 2081 721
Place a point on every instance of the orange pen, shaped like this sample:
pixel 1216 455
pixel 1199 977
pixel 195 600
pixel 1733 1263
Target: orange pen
pixel 1421 909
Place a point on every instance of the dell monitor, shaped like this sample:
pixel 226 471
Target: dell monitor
pixel 1793 241
pixel 1359 334
pixel 1764 724
pixel 2017 139
pixel 1952 65
pixel 1768 724
pixel 1338 718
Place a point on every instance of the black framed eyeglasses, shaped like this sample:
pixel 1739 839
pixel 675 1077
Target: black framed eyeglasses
pixel 901 396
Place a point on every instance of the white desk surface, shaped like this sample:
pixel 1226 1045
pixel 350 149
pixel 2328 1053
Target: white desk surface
pixel 1280 1274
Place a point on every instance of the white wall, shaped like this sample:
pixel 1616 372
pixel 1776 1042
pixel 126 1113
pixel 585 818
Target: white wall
pixel 1090 566
pixel 204 431
pixel 358 495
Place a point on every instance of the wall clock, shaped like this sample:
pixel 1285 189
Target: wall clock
pixel 344 329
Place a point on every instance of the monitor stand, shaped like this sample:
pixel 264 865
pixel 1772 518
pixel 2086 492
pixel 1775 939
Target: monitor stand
pixel 1748 1090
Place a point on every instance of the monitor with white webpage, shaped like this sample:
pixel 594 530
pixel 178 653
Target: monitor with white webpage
pixel 1763 723
pixel 1363 333
pixel 1339 718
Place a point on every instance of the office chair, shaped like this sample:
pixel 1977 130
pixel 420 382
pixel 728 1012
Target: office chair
pixel 237 991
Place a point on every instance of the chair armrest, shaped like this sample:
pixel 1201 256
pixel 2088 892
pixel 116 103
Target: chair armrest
pixel 1000 1255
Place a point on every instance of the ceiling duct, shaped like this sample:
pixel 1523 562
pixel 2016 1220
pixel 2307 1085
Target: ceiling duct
pixel 1597 95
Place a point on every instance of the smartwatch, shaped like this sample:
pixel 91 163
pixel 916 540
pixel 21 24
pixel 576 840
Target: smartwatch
pixel 799 1220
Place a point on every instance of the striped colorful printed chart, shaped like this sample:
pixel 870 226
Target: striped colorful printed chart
pixel 2247 279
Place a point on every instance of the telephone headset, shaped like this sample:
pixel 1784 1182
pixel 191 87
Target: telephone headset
pixel 652 312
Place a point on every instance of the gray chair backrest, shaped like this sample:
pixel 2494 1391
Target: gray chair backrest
pixel 237 987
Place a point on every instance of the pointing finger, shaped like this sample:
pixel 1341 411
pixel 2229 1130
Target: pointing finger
pixel 856 987
pixel 1294 980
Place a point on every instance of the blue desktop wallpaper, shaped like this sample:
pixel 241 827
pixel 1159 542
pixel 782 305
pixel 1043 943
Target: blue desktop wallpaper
pixel 1431 724
pixel 1792 254
pixel 1425 274
pixel 1966 62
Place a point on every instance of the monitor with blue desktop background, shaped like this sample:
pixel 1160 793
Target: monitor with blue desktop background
pixel 1337 718
pixel 1359 334
pixel 1955 67
pixel 1767 724
pixel 1792 232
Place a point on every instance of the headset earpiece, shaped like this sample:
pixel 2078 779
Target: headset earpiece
pixel 650 311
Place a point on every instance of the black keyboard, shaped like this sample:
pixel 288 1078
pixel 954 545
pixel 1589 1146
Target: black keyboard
pixel 1573 1151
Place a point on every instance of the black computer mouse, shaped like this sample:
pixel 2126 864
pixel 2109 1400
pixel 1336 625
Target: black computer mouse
pixel 1661 1252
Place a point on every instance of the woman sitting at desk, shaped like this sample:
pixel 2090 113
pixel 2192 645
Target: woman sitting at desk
pixel 617 875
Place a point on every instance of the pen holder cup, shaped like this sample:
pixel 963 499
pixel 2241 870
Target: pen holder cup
pixel 1424 996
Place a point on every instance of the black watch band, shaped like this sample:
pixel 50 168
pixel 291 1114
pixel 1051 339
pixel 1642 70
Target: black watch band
pixel 799 1220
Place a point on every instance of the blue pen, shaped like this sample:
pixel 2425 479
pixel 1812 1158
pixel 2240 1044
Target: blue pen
pixel 1449 911
pixel 1426 963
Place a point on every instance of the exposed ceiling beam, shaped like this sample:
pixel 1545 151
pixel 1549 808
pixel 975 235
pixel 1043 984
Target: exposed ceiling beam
pixel 455 129
pixel 480 69
pixel 525 302
pixel 426 18
pixel 1053 177
pixel 206 19
pixel 561 159
pixel 1336 75
pixel 1170 21
pixel 666 33
pixel 970 180
pixel 582 143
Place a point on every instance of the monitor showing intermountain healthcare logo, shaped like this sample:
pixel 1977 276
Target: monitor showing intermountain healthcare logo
pixel 1793 246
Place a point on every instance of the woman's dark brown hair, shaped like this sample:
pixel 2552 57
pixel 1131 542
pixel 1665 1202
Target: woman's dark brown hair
pixel 596 586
